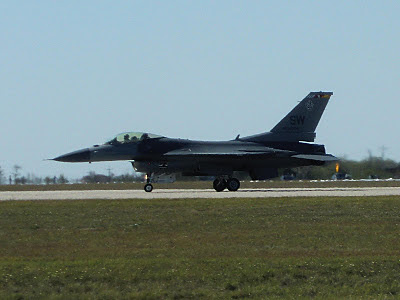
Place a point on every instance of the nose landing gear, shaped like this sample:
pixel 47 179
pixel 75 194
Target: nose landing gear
pixel 148 186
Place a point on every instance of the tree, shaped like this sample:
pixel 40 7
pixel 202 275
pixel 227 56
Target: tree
pixel 62 179
pixel 92 177
pixel 16 169
pixel 48 180
pixel 21 180
pixel 33 179
pixel 1 176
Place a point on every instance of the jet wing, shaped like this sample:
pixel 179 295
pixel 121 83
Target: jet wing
pixel 193 152
pixel 260 152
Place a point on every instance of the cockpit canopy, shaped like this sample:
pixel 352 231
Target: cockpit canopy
pixel 132 137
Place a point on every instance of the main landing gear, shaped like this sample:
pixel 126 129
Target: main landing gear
pixel 232 184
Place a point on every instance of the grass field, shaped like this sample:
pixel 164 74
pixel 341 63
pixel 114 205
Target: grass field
pixel 212 249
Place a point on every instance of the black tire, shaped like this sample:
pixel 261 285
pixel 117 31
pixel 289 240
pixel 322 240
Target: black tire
pixel 148 187
pixel 233 184
pixel 219 184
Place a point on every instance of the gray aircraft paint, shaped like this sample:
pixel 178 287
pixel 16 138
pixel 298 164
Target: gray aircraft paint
pixel 260 155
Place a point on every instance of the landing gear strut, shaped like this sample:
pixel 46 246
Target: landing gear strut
pixel 220 184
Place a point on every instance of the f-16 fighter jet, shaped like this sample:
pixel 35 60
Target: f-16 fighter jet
pixel 287 145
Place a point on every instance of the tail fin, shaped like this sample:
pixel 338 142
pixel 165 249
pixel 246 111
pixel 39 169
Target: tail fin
pixel 301 122
pixel 305 117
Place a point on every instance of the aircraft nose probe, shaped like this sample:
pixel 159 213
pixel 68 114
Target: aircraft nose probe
pixel 82 155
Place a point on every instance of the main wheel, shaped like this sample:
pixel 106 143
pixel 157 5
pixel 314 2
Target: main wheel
pixel 233 184
pixel 148 187
pixel 219 184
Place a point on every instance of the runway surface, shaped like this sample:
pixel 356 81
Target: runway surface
pixel 193 194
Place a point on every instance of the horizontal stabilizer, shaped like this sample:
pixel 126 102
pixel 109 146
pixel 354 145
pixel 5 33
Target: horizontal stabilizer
pixel 316 157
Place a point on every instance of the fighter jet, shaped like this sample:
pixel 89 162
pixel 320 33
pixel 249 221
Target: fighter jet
pixel 287 145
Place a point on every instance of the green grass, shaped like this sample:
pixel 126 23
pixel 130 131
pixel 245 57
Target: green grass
pixel 211 249
pixel 202 185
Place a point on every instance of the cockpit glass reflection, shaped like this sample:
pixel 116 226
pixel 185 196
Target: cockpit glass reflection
pixel 131 137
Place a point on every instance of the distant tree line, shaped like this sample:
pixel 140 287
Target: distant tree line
pixel 93 177
pixel 369 168
pixel 30 178
pixel 16 178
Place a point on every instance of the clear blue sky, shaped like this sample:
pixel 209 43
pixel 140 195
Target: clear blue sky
pixel 74 73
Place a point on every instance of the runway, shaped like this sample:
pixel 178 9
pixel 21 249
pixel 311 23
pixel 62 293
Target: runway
pixel 198 193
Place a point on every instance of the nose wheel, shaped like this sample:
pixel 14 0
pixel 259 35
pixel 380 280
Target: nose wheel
pixel 148 187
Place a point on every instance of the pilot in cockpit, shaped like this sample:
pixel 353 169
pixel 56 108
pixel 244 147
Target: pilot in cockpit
pixel 145 136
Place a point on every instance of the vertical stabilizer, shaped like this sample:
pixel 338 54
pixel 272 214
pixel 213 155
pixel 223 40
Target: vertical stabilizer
pixel 300 123
pixel 305 116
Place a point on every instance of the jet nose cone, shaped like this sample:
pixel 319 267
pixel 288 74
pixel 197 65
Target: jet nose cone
pixel 76 156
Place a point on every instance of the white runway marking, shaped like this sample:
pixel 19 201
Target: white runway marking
pixel 192 194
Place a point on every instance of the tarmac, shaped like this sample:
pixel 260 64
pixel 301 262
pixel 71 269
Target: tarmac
pixel 198 193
